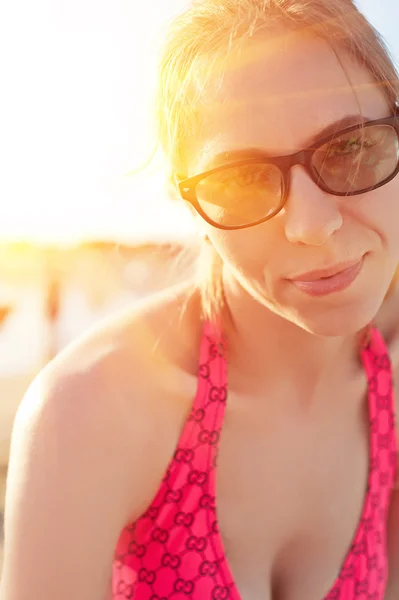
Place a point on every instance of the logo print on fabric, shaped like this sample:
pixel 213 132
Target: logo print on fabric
pixel 348 572
pixel 124 588
pixel 382 362
pixel 160 535
pixel 207 501
pixel 173 496
pixel 136 549
pixel 197 415
pixel 215 527
pixel 187 587
pixel 196 543
pixel 172 561
pixel 179 533
pixel 184 455
pixel 220 593
pixel 208 568
pixel 208 437
pixel 368 524
pixel 375 463
pixel 372 562
pixel 197 478
pixel 151 513
pixel 218 394
pixel 375 499
pixel 204 371
pixel 361 587
pixel 216 350
pixel 147 576
pixel 360 548
pixel 384 402
pixel 185 519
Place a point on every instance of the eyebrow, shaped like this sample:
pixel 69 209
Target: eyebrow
pixel 256 152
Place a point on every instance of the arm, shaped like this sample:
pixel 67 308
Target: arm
pixel 69 491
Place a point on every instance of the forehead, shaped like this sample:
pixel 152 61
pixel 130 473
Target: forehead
pixel 276 94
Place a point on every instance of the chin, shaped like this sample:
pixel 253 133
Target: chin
pixel 345 312
pixel 341 321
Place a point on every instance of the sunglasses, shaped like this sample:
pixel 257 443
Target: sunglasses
pixel 247 192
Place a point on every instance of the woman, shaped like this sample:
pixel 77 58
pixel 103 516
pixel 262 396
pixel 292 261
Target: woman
pixel 278 119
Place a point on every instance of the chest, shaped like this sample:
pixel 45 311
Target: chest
pixel 291 487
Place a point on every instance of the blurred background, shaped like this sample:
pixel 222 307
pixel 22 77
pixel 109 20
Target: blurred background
pixel 81 235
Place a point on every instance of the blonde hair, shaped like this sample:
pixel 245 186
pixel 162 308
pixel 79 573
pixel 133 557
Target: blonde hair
pixel 204 33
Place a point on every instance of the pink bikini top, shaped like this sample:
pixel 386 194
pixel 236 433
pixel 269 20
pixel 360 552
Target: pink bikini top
pixel 174 550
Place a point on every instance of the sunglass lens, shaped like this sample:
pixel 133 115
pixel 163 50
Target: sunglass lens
pixel 241 195
pixel 358 160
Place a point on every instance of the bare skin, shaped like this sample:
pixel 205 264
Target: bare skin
pixel 268 459
pixel 105 418
pixel 153 404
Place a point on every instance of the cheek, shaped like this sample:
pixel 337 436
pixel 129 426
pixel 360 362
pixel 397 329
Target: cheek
pixel 250 251
pixel 379 211
pixel 389 215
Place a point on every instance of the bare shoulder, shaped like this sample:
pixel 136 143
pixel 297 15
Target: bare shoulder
pixel 122 381
pixel 90 443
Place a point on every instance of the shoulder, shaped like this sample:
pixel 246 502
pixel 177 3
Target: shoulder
pixel 114 389
pixel 120 352
pixel 96 428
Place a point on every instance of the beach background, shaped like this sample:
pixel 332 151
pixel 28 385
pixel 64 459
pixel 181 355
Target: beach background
pixel 86 224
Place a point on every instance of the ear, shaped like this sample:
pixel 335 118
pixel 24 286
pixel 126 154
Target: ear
pixel 172 186
pixel 173 192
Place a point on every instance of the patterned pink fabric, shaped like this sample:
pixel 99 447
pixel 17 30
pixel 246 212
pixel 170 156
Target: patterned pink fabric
pixel 174 550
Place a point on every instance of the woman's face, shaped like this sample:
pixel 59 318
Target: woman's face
pixel 277 98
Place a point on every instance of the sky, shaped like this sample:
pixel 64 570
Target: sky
pixel 77 81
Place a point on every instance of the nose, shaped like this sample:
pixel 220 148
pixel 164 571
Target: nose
pixel 311 215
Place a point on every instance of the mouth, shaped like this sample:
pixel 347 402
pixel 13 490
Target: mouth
pixel 331 279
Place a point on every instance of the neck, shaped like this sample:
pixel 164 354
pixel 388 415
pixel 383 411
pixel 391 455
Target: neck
pixel 266 348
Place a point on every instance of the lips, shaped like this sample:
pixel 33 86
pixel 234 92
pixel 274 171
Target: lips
pixel 331 279
pixel 327 272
